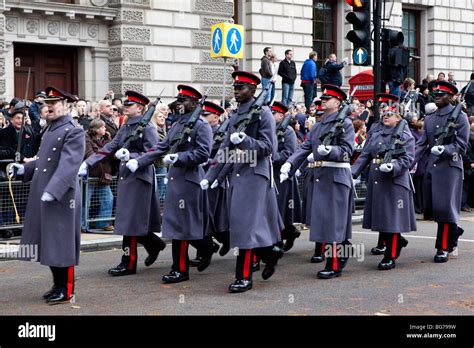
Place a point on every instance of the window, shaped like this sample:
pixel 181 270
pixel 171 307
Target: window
pixel 324 28
pixel 411 31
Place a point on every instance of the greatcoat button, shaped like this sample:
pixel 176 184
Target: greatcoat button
pixel 44 170
pixel 376 182
pixel 49 159
pixel 54 149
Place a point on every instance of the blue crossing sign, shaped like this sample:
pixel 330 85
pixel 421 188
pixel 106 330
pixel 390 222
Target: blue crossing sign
pixel 360 56
pixel 234 41
pixel 217 41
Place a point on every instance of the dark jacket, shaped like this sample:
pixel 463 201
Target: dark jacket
pixel 287 70
pixel 9 142
pixel 93 145
pixel 265 68
pixel 333 75
pixel 110 125
pixel 33 111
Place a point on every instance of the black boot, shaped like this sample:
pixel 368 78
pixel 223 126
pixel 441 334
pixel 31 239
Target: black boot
pixel 386 264
pixel 175 277
pixel 292 234
pixel 65 286
pixel 240 285
pixel 380 248
pixel 53 290
pixel 441 256
pixel 318 256
pixel 271 262
pixel 332 269
pixel 128 265
pixel 153 245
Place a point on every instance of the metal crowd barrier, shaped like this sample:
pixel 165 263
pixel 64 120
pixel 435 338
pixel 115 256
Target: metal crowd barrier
pixel 94 197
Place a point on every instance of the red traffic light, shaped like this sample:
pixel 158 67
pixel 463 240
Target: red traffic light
pixel 356 3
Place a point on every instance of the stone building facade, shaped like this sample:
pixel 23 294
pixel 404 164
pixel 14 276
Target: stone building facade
pixel 150 44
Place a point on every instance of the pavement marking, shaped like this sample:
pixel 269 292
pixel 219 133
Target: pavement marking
pixel 415 236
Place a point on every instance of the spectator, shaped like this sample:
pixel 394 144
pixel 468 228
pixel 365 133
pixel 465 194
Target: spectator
pixel 117 102
pixel 3 121
pixel 274 67
pixel 429 81
pixel 11 108
pixel 333 74
pixel 441 76
pixel 39 126
pixel 33 111
pixel 159 120
pixel 424 98
pixel 287 70
pixel 296 127
pixel 469 96
pixel 94 111
pixel 300 116
pixel 266 70
pixel 468 161
pixel 308 79
pixel 83 118
pixel 451 78
pixel 106 115
pixel 96 138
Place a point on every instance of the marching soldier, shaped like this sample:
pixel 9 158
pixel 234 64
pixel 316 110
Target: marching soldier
pixel 389 206
pixel 254 221
pixel 386 102
pixel 288 197
pixel 53 214
pixel 217 198
pixel 445 137
pixel 185 214
pixel 332 201
pixel 137 208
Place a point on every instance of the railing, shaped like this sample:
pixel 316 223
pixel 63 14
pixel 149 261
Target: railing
pixel 98 203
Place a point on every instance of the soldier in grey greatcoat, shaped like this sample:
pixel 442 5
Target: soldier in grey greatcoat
pixel 389 206
pixel 138 208
pixel 443 178
pixel 185 214
pixel 52 226
pixel 332 201
pixel 254 221
pixel 288 197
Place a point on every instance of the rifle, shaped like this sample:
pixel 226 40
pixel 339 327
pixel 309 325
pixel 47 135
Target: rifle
pixel 181 138
pixel 445 135
pixel 23 121
pixel 137 133
pixel 338 123
pixel 410 99
pixel 244 120
pixel 220 134
pixel 395 148
pixel 282 128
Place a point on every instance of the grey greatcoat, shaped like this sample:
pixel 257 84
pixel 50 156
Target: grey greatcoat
pixel 443 179
pixel 55 227
pixel 389 203
pixel 185 214
pixel 288 196
pixel 332 201
pixel 138 205
pixel 254 220
pixel 218 203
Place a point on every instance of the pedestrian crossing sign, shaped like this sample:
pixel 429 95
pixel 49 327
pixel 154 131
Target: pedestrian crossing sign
pixel 227 40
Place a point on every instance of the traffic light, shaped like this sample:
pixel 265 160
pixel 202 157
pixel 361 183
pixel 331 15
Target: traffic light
pixel 360 33
pixel 395 57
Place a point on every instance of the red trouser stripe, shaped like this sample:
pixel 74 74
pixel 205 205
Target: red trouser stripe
pixel 334 258
pixel 246 272
pixel 444 243
pixel 133 253
pixel 255 258
pixel 70 281
pixel 394 246
pixel 182 256
pixel 322 248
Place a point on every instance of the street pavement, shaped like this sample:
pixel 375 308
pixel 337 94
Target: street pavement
pixel 417 286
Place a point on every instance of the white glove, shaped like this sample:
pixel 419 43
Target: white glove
pixel 47 197
pixel 298 173
pixel 437 150
pixel 204 184
pixel 237 138
pixel 170 158
pixel 283 177
pixel 324 150
pixel 285 168
pixel 386 167
pixel 310 158
pixel 83 169
pixel 346 60
pixel 20 169
pixel 215 184
pixel 122 154
pixel 165 181
pixel 132 165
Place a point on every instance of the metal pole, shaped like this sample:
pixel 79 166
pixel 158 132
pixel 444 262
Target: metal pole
pixel 377 68
pixel 223 84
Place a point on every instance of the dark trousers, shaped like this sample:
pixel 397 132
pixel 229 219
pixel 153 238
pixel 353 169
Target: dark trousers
pixel 63 278
pixel 221 237
pixel 309 94
pixel 180 252
pixel 243 267
pixel 319 248
pixel 151 242
pixel 447 236
pixel 394 243
pixel 418 194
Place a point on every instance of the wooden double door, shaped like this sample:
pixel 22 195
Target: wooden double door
pixel 51 65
